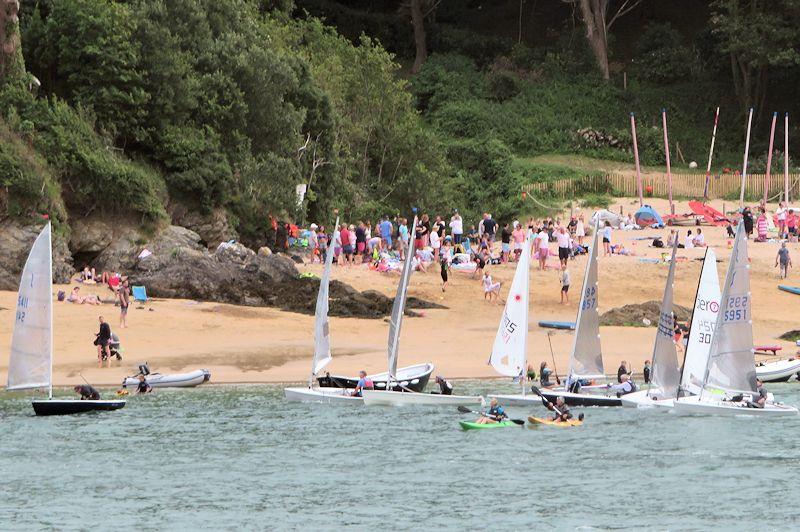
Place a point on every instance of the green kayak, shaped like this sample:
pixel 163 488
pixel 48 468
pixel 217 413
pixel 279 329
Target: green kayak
pixel 470 425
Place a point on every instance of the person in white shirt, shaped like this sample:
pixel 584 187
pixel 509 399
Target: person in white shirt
pixel 456 228
pixel 436 243
pixel 606 234
pixel 699 240
pixel 689 242
pixel 562 237
pixel 544 250
pixel 780 214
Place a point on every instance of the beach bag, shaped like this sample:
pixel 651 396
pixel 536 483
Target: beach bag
pixel 657 243
pixel 61 295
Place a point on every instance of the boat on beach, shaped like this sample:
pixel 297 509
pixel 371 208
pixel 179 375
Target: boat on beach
pixel 31 362
pixel 778 370
pixel 729 386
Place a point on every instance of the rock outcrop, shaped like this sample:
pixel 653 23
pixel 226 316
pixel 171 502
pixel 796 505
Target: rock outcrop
pixel 635 315
pixel 16 240
pixel 213 228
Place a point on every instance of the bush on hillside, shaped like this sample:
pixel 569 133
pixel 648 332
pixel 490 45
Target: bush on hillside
pixel 661 55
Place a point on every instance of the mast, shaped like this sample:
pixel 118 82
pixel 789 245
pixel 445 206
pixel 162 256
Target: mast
pixel 666 152
pixel 50 269
pixel 786 158
pixel 636 160
pixel 746 152
pixel 711 154
pixel 768 173
pixel 399 305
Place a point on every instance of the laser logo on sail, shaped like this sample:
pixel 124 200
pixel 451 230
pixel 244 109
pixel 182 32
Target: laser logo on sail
pixel 508 328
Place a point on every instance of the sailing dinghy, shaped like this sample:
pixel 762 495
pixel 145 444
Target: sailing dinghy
pixel 322 346
pixel 730 368
pixel 31 363
pixel 397 394
pixel 666 373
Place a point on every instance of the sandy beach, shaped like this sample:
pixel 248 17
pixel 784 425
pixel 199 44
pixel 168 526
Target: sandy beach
pixel 247 344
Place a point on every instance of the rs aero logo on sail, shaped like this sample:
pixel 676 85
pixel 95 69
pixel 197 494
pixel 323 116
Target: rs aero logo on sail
pixel 706 304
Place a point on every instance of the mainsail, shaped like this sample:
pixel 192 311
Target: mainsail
pixel 399 306
pixel 31 361
pixel 731 363
pixel 586 360
pixel 322 339
pixel 510 344
pixel 666 373
pixel 704 320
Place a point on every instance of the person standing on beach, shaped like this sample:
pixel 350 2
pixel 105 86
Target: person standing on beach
pixel 784 260
pixel 346 239
pixel 606 234
pixel 361 240
pixel 565 282
pixel 490 288
pixel 580 230
pixel 445 257
pixel 544 248
pixel 456 228
pixel 780 215
pixel 505 239
pixel 489 228
pixel 562 237
pixel 385 230
pixel 435 242
pixel 124 298
pixel 747 218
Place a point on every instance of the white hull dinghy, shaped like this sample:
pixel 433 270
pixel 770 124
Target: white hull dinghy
pixel 730 371
pixel 31 362
pixel 384 398
pixel 321 395
pixel 174 380
pixel 414 377
pixel 652 398
pixel 778 370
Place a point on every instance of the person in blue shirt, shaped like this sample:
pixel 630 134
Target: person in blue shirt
pixel 364 383
pixel 385 229
pixel 495 414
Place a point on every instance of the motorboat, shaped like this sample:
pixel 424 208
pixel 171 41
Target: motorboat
pixel 778 370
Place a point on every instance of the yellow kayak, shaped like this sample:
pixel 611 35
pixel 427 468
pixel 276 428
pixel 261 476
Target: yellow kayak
pixel 543 421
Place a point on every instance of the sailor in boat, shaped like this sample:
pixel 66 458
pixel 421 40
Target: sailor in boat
pixel 445 388
pixel 647 371
pixel 87 391
pixel 625 387
pixel 495 414
pixel 623 370
pixel 143 386
pixel 761 399
pixel 364 383
pixel 560 406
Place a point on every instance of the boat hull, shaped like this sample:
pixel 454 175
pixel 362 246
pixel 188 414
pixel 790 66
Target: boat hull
pixel 384 398
pixel 177 380
pixel 572 399
pixel 66 407
pixel 646 399
pixel 414 378
pixel 321 395
pixel 470 425
pixel 706 406
pixel 778 371
pixel 549 422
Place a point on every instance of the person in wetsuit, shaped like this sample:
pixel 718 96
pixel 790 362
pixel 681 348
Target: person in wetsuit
pixel 495 414
pixel 761 399
pixel 445 388
pixel 87 391
pixel 102 339
pixel 143 386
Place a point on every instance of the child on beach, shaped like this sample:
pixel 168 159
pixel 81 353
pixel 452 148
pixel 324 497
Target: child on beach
pixel 565 282
pixel 490 288
pixel 607 239
pixel 784 260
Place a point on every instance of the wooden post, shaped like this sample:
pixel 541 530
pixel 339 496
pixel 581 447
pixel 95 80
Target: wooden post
pixel 710 156
pixel 768 174
pixel 786 158
pixel 636 160
pixel 666 152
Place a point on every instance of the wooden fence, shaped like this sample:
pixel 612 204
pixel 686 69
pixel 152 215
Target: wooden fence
pixel 683 185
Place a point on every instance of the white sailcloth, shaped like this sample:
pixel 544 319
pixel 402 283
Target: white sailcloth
pixel 30 363
pixel 399 305
pixel 586 360
pixel 322 339
pixel 666 372
pixel 731 364
pixel 511 341
pixel 704 320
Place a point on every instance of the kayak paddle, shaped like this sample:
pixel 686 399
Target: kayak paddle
pixel 465 410
pixel 545 402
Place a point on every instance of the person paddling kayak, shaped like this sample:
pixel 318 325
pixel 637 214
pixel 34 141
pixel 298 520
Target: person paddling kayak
pixel 560 409
pixel 493 415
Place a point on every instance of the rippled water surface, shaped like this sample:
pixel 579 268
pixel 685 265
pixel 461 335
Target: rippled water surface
pixel 239 457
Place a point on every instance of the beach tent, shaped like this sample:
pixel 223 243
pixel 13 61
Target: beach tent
pixel 647 216
pixel 604 215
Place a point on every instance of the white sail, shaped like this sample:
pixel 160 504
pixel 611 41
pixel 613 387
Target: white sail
pixel 322 339
pixel 704 320
pixel 31 361
pixel 731 363
pixel 399 306
pixel 586 360
pixel 510 344
pixel 666 372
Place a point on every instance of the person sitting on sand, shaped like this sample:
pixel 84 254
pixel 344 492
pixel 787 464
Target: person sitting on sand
pixel 143 386
pixel 560 409
pixel 88 275
pixel 87 392
pixel 531 373
pixel 495 414
pixel 544 375
pixel 364 383
pixel 445 388
pixel 490 288
pixel 75 297
pixel 625 386
pixel 699 239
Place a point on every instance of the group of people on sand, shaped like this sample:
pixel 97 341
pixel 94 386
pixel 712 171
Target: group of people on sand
pixel 116 283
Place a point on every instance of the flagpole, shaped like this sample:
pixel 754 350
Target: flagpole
pixel 746 152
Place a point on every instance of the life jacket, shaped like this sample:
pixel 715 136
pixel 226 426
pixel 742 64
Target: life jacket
pixel 368 384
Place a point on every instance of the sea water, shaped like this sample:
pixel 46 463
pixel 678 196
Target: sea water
pixel 242 458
